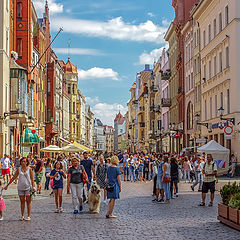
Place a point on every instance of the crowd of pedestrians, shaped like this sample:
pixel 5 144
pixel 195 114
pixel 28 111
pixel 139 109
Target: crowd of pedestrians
pixel 164 170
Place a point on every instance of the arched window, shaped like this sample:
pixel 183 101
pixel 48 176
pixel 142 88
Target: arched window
pixel 190 116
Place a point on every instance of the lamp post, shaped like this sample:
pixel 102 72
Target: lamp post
pixel 221 112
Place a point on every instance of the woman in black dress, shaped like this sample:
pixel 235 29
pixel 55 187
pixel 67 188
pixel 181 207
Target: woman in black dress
pixel 101 173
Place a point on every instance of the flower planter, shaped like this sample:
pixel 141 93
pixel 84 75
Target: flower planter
pixel 223 210
pixel 233 215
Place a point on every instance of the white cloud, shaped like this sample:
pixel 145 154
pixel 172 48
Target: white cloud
pixel 150 14
pixel 79 51
pixel 53 6
pixel 92 101
pixel 107 112
pixel 115 28
pixel 150 58
pixel 97 72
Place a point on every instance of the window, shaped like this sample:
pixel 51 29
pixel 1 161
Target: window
pixel 214 27
pixel 205 107
pixel 74 107
pixel 220 62
pixel 210 69
pixel 210 107
pixel 204 72
pixel 227 57
pixel 73 89
pixel 209 33
pixel 19 10
pixel 204 38
pixel 190 116
pixel 195 39
pixel 221 99
pixel 228 101
pixel 216 106
pixel 220 22
pixel 70 107
pixel 69 88
pixel 191 80
pixel 215 66
pixel 226 16
pixel 19 48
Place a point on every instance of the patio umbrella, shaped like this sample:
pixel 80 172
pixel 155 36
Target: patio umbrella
pixel 51 148
pixel 76 144
pixel 72 148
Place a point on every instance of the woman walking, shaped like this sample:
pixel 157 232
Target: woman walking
pixel 75 183
pixel 114 183
pixel 101 174
pixel 57 175
pixel 166 179
pixel 38 174
pixel 25 186
pixel 174 178
pixel 48 169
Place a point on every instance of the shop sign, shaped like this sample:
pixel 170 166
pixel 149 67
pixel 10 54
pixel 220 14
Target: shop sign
pixel 11 122
pixel 200 140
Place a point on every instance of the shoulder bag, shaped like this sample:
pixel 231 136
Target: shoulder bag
pixel 84 176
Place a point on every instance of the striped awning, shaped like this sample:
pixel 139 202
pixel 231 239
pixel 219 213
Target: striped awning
pixel 76 144
pixel 29 138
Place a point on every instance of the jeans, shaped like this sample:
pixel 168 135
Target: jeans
pixel 154 184
pixel 187 175
pixel 47 183
pixel 166 187
pixel 199 180
pixel 77 192
pixel 175 182
pixel 145 175
pixel 132 173
pixel 89 183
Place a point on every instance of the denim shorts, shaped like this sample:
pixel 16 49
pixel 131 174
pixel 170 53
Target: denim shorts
pixel 126 170
pixel 24 192
pixel 159 184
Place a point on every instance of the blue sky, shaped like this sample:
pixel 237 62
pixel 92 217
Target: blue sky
pixel 110 41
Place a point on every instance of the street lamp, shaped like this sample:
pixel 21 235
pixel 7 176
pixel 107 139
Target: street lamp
pixel 197 118
pixel 221 111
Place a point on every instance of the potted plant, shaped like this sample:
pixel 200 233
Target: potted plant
pixel 234 207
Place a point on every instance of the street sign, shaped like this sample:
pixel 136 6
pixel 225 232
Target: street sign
pixel 227 136
pixel 228 130
pixel 200 140
pixel 11 122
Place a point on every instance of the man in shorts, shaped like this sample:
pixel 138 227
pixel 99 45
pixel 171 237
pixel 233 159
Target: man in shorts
pixel 5 168
pixel 209 178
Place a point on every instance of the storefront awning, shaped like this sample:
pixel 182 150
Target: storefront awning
pixel 63 140
pixel 29 137
pixel 82 147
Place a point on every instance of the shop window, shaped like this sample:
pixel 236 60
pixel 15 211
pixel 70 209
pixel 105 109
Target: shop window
pixel 19 48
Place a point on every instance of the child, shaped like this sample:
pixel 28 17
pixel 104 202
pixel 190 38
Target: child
pixel 2 203
pixel 57 175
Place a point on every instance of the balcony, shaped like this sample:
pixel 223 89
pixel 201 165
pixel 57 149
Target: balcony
pixel 142 124
pixel 165 75
pixel 166 102
pixel 154 89
pixel 135 102
pixel 141 110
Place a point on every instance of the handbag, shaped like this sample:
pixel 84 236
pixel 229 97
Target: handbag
pixel 167 179
pixel 110 188
pixel 84 176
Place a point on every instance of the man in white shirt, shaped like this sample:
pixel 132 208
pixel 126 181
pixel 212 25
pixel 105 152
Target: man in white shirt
pixel 198 166
pixel 5 166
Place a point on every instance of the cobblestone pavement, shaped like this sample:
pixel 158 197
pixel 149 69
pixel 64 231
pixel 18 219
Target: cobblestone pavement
pixel 139 218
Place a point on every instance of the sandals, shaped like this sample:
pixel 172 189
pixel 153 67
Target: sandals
pixel 201 204
pixel 210 204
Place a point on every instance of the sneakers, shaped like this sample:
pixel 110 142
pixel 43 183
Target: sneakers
pixel 161 201
pixel 176 195
pixel 192 188
pixel 57 211
pixel 1 218
pixel 80 208
pixel 21 218
pixel 60 209
pixel 28 219
pixel 75 211
pixel 154 200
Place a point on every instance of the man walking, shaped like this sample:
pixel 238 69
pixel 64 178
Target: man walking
pixel 198 166
pixel 209 178
pixel 5 167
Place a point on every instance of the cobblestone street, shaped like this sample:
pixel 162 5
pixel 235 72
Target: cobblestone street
pixel 139 218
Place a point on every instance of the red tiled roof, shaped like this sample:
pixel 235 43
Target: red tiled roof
pixel 118 117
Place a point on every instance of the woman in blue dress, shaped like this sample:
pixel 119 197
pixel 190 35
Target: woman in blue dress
pixel 113 179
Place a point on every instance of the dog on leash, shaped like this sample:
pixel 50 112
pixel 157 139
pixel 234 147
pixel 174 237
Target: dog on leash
pixel 94 198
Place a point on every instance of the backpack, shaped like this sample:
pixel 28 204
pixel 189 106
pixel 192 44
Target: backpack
pixel 212 166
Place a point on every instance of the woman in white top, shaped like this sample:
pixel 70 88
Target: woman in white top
pixel 25 186
pixel 166 179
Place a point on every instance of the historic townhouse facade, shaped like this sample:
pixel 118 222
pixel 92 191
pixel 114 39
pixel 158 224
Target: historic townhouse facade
pixel 219 28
